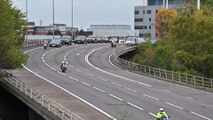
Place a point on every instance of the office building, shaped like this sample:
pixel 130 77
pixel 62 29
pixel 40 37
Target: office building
pixel 145 16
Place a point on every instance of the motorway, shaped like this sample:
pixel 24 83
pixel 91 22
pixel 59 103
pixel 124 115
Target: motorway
pixel 92 77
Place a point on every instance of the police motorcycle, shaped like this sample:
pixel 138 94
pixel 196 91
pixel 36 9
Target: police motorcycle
pixel 45 46
pixel 64 67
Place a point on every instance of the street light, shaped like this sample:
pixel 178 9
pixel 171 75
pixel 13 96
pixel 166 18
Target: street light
pixel 198 4
pixel 26 20
pixel 53 17
pixel 72 13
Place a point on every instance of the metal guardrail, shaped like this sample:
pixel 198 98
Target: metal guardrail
pixel 30 43
pixel 44 101
pixel 186 79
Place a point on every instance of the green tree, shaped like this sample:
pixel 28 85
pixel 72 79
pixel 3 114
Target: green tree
pixel 12 29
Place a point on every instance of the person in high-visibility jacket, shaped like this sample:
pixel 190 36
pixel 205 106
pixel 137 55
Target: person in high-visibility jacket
pixel 161 115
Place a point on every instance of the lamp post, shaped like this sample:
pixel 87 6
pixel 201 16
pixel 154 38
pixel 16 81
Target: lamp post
pixel 26 20
pixel 72 13
pixel 53 18
pixel 198 4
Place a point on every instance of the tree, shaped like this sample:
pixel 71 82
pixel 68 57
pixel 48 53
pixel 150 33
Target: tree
pixel 12 30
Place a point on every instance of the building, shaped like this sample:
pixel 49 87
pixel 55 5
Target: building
pixel 145 16
pixel 112 30
pixel 30 28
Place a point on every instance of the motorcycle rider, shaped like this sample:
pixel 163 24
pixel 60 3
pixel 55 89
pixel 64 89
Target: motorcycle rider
pixel 162 114
pixel 64 62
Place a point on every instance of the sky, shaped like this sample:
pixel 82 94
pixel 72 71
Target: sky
pixel 86 12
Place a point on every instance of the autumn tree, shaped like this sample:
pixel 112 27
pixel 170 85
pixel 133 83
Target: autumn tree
pixel 12 29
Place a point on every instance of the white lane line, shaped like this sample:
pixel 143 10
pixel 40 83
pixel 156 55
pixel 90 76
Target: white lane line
pixel 121 77
pixel 116 84
pixel 81 99
pixel 116 97
pixel 102 79
pixel 32 50
pixel 73 78
pixel 151 97
pixel 71 66
pixel 62 73
pixel 90 74
pixel 174 105
pixel 78 69
pixel 112 63
pixel 86 84
pixel 42 57
pixel 199 115
pixel 131 89
pixel 78 54
pixel 148 85
pixel 99 89
pixel 152 114
pixel 53 68
pixel 166 91
pixel 47 64
pixel 134 105
pixel 189 98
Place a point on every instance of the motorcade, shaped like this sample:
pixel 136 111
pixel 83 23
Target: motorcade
pixel 80 39
pixel 55 43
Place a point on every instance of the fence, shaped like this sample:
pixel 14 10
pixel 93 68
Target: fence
pixel 30 43
pixel 44 101
pixel 196 81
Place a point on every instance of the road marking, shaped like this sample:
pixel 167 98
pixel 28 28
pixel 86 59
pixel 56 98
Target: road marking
pixel 131 89
pixel 81 99
pixel 189 98
pixel 71 66
pixel 78 69
pixel 116 84
pixel 152 114
pixel 62 73
pixel 135 106
pixel 78 54
pixel 99 89
pixel 174 105
pixel 74 79
pixel 166 91
pixel 53 68
pixel 144 84
pixel 32 50
pixel 199 115
pixel 121 77
pixel 86 84
pixel 112 63
pixel 116 97
pixel 151 97
pixel 90 74
pixel 102 79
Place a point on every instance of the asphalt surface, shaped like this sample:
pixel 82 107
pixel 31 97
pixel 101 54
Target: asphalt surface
pixel 92 77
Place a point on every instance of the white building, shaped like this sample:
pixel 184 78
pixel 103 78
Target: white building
pixel 112 30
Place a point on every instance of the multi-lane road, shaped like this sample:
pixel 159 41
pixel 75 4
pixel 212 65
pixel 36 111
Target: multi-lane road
pixel 92 77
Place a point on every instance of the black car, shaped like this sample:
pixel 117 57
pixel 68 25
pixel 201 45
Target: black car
pixel 81 39
pixel 66 40
pixel 55 43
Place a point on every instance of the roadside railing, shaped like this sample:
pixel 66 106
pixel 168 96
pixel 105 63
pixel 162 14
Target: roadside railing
pixel 30 43
pixel 196 81
pixel 38 97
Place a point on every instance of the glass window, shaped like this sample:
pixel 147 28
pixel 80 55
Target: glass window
pixel 150 19
pixel 144 12
pixel 150 27
pixel 136 12
pixel 149 12
pixel 138 19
